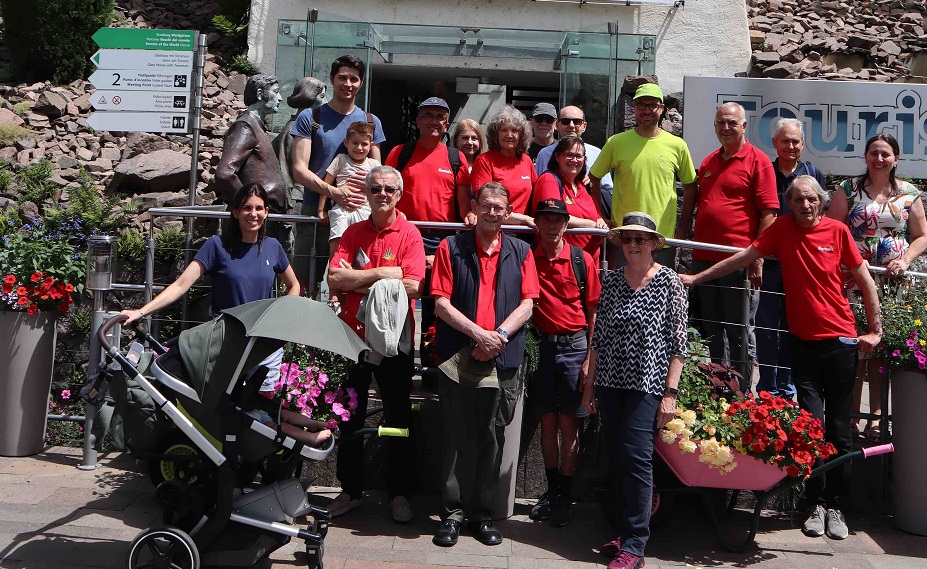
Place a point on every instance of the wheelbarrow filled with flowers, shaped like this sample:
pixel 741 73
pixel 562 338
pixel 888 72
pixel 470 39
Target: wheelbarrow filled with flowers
pixel 762 444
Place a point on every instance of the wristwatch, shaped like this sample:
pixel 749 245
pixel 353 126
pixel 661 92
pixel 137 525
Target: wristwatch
pixel 503 333
pixel 672 391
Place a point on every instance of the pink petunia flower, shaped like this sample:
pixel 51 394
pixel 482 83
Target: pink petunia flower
pixel 329 397
pixel 65 394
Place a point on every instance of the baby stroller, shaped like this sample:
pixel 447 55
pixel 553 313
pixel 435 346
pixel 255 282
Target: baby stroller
pixel 204 386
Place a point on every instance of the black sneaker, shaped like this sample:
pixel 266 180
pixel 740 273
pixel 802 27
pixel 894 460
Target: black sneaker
pixel 541 510
pixel 561 512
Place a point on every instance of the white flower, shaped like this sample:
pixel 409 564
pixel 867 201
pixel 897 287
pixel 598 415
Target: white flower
pixel 668 437
pixel 676 426
pixel 687 446
pixel 688 417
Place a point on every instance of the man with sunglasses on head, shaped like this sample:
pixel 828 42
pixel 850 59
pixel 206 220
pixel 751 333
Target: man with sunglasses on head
pixel 436 187
pixel 384 246
pixel 572 121
pixel 646 161
pixel 542 122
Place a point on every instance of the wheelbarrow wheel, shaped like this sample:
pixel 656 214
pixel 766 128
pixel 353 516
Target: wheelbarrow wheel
pixel 163 547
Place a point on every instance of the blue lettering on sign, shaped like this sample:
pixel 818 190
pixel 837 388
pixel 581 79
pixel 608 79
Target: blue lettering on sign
pixel 840 130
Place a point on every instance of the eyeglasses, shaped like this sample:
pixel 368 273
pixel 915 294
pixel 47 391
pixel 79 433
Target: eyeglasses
pixel 648 106
pixel 433 117
pixel 493 209
pixel 377 189
pixel 627 240
pixel 573 155
pixel 568 121
pixel 544 119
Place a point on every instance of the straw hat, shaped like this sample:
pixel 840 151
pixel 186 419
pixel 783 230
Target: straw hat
pixel 636 221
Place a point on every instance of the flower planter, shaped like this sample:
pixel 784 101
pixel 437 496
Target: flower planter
pixel 909 462
pixel 28 343
pixel 750 473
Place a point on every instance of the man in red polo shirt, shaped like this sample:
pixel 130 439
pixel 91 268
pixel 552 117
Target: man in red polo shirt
pixel 432 190
pixel 484 285
pixel 385 246
pixel 565 317
pixel 737 201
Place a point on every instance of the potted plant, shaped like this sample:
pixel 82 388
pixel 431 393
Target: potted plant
pixel 748 443
pixel 312 383
pixel 41 269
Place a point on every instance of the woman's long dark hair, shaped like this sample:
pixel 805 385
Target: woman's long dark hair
pixel 566 143
pixel 891 141
pixel 233 236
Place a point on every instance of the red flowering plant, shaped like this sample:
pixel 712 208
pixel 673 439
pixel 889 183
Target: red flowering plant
pixel 771 429
pixel 312 383
pixel 38 271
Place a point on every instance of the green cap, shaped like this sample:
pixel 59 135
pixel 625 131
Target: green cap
pixel 649 90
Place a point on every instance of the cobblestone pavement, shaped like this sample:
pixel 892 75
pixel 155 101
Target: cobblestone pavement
pixel 54 515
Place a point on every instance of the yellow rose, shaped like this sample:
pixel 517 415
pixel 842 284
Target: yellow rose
pixel 676 426
pixel 688 417
pixel 668 437
pixel 687 446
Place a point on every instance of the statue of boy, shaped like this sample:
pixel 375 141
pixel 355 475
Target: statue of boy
pixel 247 154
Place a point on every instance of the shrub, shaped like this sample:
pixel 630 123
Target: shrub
pixel 10 133
pixel 33 182
pixel 131 246
pixel 6 176
pixel 21 108
pixel 243 65
pixel 169 243
pixel 87 208
pixel 50 39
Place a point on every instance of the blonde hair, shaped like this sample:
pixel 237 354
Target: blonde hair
pixel 470 124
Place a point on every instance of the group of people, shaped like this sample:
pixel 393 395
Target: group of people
pixel 613 344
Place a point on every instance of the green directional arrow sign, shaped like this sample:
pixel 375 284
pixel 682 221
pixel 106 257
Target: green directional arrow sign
pixel 133 38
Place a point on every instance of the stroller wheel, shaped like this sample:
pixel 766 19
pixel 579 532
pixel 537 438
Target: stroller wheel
pixel 315 554
pixel 184 468
pixel 161 547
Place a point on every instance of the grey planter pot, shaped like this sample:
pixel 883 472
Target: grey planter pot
pixel 27 358
pixel 909 462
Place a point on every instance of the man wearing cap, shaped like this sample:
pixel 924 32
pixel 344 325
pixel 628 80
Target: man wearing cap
pixel 435 189
pixel 542 127
pixel 565 317
pixel 484 284
pixel 572 121
pixel 647 162
pixel 737 201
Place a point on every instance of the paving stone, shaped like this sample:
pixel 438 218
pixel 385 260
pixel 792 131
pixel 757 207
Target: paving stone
pixel 24 493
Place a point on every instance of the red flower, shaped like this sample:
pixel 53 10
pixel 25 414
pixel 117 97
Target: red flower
pixel 816 432
pixel 36 277
pixel 827 450
pixel 21 291
pixel 792 471
pixel 764 395
pixel 69 287
pixel 22 301
pixel 779 445
pixel 10 280
pixel 779 403
pixel 7 288
pixel 32 309
pixel 63 308
pixel 759 445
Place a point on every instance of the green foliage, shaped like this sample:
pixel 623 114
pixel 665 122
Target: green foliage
pixel 9 221
pixel 532 347
pixel 131 246
pixel 904 324
pixel 97 213
pixel 10 133
pixel 6 177
pixel 21 108
pixel 81 319
pixel 243 65
pixel 169 243
pixel 230 29
pixel 50 39
pixel 34 184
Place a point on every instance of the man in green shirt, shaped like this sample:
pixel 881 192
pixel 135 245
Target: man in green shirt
pixel 646 163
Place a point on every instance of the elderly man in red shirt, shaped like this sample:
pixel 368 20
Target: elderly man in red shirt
pixel 565 317
pixel 385 246
pixel 737 201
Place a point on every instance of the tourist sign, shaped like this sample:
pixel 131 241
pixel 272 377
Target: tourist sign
pixel 103 100
pixel 141 59
pixel 140 122
pixel 135 38
pixel 170 79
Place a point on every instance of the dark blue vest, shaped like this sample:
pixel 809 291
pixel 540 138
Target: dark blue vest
pixel 465 267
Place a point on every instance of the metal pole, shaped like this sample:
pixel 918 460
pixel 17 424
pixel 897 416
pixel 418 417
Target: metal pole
pixel 96 354
pixel 199 61
pixel 149 271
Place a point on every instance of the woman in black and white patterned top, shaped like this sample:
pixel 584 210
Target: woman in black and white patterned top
pixel 634 364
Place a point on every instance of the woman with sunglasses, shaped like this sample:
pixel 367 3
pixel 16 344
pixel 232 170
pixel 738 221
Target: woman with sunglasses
pixel 634 365
pixel 507 162
pixel 563 181
pixel 468 138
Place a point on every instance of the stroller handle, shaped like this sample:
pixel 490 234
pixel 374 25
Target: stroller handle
pixel 877 450
pixel 105 328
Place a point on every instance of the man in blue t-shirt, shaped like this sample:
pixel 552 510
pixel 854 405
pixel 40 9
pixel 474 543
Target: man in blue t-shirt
pixel 319 137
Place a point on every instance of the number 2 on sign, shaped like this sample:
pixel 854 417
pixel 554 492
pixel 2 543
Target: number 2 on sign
pixel 117 78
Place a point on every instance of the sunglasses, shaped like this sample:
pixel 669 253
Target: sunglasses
pixel 544 119
pixel 627 240
pixel 377 189
pixel 567 122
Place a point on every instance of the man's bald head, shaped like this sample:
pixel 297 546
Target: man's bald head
pixel 571 121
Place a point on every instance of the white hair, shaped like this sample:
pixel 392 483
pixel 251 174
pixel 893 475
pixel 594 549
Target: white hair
pixel 783 122
pixel 736 106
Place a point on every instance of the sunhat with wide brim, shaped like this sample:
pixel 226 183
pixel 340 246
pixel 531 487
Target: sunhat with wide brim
pixel 636 221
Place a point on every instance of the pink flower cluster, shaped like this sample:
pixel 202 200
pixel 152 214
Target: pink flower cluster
pixel 313 394
pixel 915 348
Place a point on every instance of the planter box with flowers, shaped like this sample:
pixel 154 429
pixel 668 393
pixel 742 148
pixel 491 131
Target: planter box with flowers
pixel 39 276
pixel 744 444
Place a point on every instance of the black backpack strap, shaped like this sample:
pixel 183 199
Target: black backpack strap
pixel 453 156
pixel 405 155
pixel 579 272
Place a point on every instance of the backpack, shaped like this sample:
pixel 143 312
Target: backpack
pixel 453 156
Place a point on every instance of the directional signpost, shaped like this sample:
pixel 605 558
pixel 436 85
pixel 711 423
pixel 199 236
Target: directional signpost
pixel 107 100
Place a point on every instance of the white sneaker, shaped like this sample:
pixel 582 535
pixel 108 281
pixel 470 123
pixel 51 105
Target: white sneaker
pixel 342 504
pixel 836 525
pixel 401 510
pixel 814 525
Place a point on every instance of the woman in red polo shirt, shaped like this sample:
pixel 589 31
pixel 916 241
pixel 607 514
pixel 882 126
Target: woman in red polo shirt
pixel 507 162
pixel 563 180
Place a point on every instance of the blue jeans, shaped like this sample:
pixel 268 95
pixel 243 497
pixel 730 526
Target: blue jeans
pixel 772 346
pixel 630 421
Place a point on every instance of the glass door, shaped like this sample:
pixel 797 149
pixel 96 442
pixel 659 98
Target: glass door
pixel 588 80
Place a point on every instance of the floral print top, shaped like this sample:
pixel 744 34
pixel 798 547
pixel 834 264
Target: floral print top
pixel 880 230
